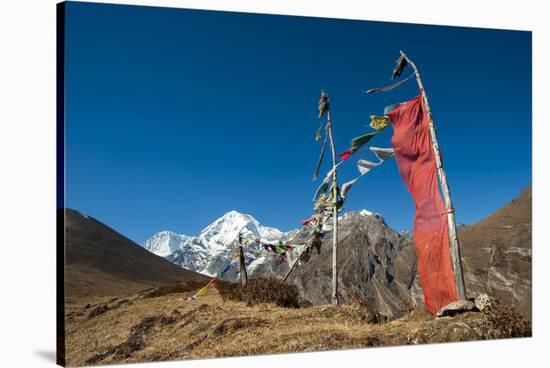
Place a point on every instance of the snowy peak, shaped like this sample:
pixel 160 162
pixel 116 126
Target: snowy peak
pixel 225 230
pixel 165 243
pixel 215 244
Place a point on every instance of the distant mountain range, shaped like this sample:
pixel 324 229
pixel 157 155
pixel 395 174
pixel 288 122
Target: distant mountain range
pixel 376 262
pixel 214 247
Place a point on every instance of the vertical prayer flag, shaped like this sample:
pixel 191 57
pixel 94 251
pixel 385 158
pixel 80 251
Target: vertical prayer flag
pixel 416 161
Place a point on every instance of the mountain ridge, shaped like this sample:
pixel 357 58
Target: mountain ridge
pixel 101 261
pixel 213 247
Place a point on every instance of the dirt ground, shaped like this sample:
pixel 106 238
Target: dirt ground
pixel 137 328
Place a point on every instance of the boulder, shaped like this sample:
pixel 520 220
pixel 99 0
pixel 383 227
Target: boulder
pixel 454 308
pixel 482 302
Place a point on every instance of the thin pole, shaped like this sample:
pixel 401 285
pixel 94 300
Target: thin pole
pixel 244 276
pixel 335 300
pixel 294 264
pixel 318 227
pixel 453 236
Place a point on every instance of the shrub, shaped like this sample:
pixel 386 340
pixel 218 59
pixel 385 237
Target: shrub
pixel 505 322
pixel 407 305
pixel 371 315
pixel 269 290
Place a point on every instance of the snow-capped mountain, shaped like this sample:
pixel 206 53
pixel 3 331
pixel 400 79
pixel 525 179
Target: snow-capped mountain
pixel 165 243
pixel 216 244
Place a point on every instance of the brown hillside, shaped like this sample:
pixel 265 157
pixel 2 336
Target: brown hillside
pixel 497 254
pixel 100 261
pixel 138 329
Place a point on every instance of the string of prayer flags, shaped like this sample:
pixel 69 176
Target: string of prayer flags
pixel 379 122
pixel 320 191
pixel 324 203
pixel 318 132
pixel 323 108
pixel 279 248
pixel 347 186
pixel 320 161
pixel 322 198
pixel 357 143
pixel 202 291
pixel 227 268
pixel 324 185
pixel 308 220
pixel 365 166
pixel 382 153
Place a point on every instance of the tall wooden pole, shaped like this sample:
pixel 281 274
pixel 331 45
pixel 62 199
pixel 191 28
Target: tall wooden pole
pixel 453 237
pixel 335 300
pixel 244 276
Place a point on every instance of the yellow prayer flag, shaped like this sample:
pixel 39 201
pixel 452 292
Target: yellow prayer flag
pixel 202 291
pixel 379 122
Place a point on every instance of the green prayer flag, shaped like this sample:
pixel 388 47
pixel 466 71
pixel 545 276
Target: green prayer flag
pixel 357 143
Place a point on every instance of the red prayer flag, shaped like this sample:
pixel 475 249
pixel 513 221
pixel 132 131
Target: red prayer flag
pixel 345 155
pixel 307 221
pixel 415 158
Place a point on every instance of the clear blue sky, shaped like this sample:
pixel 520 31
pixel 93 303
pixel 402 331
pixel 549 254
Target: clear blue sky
pixel 177 116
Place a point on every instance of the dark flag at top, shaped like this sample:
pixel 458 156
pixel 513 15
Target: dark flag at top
pixel 323 104
pixel 400 65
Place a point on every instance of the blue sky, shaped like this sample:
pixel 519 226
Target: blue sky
pixel 175 116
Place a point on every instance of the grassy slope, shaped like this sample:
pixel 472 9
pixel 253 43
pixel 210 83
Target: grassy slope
pixel 138 329
pixel 100 261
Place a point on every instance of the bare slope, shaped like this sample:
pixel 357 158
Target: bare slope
pixel 497 254
pixel 100 261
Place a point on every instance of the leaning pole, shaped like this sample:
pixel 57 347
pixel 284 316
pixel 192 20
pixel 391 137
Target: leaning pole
pixel 453 237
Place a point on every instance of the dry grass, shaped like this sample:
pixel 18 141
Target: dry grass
pixel 176 288
pixel 168 327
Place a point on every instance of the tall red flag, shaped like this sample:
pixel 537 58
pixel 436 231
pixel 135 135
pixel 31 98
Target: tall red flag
pixel 415 158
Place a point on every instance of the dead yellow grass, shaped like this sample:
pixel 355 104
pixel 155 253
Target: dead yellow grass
pixel 137 329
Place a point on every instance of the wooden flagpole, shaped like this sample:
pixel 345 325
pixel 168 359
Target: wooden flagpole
pixel 335 300
pixel 244 276
pixel 453 237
